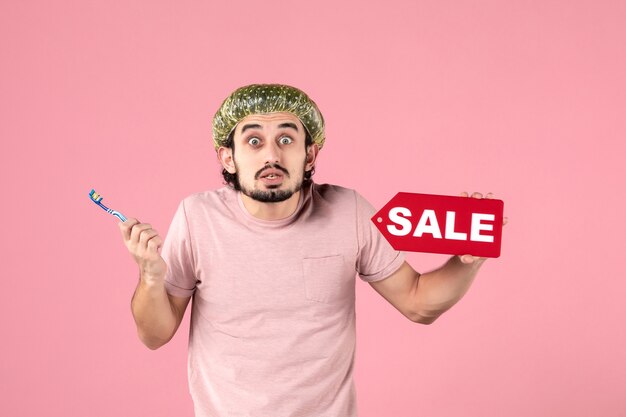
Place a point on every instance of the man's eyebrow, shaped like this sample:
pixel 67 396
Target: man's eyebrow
pixel 243 129
pixel 257 126
pixel 291 125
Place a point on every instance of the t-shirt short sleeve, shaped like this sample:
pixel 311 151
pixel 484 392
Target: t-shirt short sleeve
pixel 376 259
pixel 180 280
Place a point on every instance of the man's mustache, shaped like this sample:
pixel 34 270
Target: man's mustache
pixel 269 166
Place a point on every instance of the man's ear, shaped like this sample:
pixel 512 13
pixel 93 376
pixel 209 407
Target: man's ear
pixel 225 156
pixel 311 156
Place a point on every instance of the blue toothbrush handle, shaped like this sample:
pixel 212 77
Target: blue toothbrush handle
pixel 111 211
pixel 118 215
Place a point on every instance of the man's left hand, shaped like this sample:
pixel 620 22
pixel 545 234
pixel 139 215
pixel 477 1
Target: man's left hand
pixel 469 259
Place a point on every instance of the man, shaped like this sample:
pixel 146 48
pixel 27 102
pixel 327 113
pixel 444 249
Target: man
pixel 270 261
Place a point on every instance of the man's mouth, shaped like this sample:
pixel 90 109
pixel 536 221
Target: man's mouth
pixel 272 177
pixel 272 173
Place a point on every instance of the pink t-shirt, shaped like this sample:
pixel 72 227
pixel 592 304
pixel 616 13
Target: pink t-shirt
pixel 272 321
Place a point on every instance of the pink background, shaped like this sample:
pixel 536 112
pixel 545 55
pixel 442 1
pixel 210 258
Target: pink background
pixel 525 99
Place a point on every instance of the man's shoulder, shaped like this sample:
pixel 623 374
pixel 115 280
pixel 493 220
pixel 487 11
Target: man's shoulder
pixel 333 191
pixel 209 198
pixel 338 191
pixel 336 195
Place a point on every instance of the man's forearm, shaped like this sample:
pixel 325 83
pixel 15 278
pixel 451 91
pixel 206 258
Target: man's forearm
pixel 153 314
pixel 440 289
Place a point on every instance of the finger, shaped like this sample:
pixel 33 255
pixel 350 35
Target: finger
pixel 477 195
pixel 126 226
pixel 135 232
pixel 463 194
pixel 467 259
pixel 146 236
pixel 154 244
pixel 505 221
pixel 489 195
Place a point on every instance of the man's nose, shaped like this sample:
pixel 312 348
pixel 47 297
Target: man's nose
pixel 272 153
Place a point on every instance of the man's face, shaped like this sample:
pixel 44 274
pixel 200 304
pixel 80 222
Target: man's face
pixel 269 156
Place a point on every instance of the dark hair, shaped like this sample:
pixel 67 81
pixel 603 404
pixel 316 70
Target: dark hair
pixel 233 179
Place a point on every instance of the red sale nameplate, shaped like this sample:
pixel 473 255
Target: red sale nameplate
pixel 442 224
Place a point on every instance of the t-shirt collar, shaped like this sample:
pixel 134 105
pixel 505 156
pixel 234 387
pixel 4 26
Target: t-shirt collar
pixel 304 194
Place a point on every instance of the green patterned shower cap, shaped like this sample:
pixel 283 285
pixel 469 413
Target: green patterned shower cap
pixel 267 98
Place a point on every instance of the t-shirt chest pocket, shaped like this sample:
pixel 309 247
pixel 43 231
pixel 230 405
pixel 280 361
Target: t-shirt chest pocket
pixel 327 278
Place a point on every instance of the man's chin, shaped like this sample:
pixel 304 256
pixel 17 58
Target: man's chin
pixel 271 193
pixel 270 196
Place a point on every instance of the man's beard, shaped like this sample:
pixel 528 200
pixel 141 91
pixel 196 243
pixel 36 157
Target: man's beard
pixel 271 196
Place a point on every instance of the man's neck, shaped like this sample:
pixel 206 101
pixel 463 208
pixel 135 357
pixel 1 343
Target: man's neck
pixel 271 211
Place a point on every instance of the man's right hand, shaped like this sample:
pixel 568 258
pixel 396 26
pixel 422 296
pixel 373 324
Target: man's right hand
pixel 143 243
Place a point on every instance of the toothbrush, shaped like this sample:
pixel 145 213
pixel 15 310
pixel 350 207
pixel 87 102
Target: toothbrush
pixel 97 198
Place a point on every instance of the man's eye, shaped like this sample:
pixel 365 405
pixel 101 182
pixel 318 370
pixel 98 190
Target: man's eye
pixel 286 140
pixel 254 141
